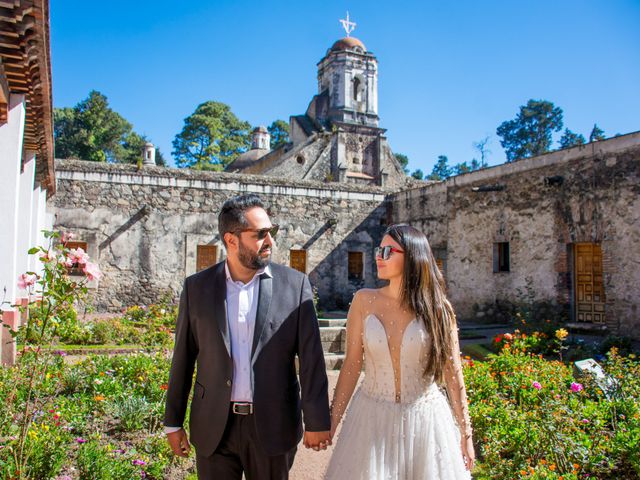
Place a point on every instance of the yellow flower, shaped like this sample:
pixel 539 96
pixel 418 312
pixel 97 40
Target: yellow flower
pixel 561 334
pixel 140 378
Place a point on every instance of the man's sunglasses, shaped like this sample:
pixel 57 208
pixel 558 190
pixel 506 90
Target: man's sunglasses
pixel 385 252
pixel 262 232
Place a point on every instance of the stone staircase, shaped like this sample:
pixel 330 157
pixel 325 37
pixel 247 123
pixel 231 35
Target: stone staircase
pixel 333 334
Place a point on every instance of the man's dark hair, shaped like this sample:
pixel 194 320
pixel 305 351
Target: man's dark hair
pixel 231 217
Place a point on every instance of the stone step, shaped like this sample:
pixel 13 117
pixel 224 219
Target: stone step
pixel 333 361
pixel 333 339
pixel 332 322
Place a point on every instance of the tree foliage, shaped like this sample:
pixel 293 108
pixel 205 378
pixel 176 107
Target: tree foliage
pixel 483 150
pixel 441 170
pixel 529 134
pixel 460 168
pixel 403 160
pixel 570 139
pixel 93 131
pixel 211 138
pixel 279 131
pixel 596 134
pixel 418 174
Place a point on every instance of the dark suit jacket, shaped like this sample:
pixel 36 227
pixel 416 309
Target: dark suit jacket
pixel 286 326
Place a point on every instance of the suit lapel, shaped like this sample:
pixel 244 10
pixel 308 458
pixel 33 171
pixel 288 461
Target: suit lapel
pixel 219 298
pixel 264 302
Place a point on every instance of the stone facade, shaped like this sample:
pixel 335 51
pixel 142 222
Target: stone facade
pixel 542 207
pixel 144 226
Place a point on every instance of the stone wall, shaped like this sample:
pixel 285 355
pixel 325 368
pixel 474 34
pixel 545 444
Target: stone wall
pixel 542 206
pixel 143 226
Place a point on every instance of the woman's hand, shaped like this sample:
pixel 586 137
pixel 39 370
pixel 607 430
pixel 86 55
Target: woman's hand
pixel 468 453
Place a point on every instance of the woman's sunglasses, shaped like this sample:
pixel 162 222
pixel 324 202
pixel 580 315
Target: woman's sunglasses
pixel 262 232
pixel 385 252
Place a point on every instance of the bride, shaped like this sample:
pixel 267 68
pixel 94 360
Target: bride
pixel 399 425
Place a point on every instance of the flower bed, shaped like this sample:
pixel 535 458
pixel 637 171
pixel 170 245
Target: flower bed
pixel 99 418
pixel 533 419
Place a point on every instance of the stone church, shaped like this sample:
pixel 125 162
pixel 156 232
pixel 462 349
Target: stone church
pixel 338 138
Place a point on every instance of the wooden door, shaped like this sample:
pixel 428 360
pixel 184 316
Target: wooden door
pixel 589 283
pixel 206 256
pixel 298 260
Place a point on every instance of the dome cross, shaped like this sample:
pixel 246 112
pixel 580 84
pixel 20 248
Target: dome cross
pixel 348 25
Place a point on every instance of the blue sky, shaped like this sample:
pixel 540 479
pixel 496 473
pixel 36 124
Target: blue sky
pixel 449 72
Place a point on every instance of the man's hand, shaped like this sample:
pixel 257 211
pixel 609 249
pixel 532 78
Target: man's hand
pixel 317 440
pixel 179 443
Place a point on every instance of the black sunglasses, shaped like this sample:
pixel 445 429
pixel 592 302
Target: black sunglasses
pixel 262 232
pixel 385 252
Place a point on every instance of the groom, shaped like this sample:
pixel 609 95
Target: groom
pixel 243 321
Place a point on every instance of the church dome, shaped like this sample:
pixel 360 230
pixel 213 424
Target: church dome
pixel 348 43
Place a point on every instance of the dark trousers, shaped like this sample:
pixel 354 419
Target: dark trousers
pixel 239 451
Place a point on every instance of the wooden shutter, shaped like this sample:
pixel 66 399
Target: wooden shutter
pixel 356 265
pixel 207 255
pixel 590 298
pixel 298 260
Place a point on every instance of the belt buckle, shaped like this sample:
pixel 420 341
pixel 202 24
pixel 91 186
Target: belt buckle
pixel 238 408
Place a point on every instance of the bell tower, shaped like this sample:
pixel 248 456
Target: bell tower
pixel 348 76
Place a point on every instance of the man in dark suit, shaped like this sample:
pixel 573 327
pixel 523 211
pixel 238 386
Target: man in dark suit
pixel 243 322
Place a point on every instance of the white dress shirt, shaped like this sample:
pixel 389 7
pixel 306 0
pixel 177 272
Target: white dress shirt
pixel 242 307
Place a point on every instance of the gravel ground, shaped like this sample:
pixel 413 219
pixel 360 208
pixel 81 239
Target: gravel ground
pixel 309 464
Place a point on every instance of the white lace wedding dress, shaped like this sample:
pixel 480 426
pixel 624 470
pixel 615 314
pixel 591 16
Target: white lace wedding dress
pixel 412 437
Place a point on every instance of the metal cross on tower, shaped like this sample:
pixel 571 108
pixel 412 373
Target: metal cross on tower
pixel 348 25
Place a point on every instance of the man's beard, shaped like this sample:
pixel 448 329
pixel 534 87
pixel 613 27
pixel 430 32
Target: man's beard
pixel 251 259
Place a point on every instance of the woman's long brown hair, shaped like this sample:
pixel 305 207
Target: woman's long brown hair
pixel 423 290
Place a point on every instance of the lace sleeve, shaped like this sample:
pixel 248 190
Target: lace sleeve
pixel 454 382
pixel 350 371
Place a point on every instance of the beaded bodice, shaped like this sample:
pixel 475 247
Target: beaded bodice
pixel 379 379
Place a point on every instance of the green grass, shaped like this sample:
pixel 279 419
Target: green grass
pixel 477 351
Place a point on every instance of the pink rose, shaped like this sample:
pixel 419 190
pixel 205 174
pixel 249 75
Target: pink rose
pixel 26 280
pixel 576 387
pixel 536 385
pixel 92 271
pixel 78 255
pixel 67 236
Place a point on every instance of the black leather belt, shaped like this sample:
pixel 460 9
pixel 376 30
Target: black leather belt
pixel 242 408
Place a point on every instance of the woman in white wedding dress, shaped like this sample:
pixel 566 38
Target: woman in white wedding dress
pixel 399 424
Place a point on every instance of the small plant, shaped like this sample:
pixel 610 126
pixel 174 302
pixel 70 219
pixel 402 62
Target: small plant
pixel 132 412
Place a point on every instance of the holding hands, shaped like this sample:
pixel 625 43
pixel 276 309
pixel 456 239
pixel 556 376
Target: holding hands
pixel 317 440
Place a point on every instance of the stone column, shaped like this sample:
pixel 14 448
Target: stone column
pixel 25 213
pixel 11 140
